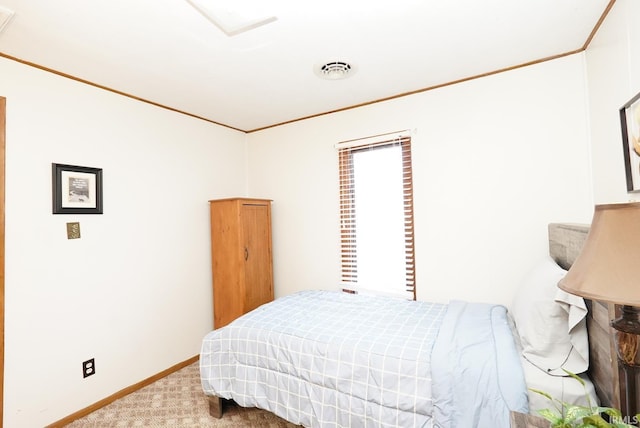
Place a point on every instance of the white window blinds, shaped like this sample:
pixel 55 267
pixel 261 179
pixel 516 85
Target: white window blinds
pixel 376 216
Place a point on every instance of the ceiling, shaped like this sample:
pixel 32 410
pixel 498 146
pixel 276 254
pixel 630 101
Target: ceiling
pixel 168 53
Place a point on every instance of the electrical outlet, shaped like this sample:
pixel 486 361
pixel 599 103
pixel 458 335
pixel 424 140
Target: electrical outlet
pixel 88 368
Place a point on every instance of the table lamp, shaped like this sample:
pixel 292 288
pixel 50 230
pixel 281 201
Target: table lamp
pixel 608 269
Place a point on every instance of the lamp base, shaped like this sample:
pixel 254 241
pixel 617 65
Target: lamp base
pixel 627 341
pixel 629 385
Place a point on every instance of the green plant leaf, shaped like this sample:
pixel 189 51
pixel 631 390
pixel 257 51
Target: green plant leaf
pixel 562 424
pixel 575 413
pixel 609 411
pixel 551 415
pixel 596 421
pixel 544 394
pixel 575 376
pixel 566 415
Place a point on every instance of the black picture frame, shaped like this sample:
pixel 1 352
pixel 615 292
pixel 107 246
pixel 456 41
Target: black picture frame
pixel 630 126
pixel 76 189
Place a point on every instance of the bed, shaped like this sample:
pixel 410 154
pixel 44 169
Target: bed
pixel 317 359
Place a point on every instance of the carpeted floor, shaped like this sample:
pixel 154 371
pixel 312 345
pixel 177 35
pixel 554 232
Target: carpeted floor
pixel 176 401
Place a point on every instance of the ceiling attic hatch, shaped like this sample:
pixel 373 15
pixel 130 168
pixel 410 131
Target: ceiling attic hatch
pixel 233 17
pixel 5 17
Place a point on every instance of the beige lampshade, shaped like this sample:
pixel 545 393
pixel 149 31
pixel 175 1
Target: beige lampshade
pixel 608 267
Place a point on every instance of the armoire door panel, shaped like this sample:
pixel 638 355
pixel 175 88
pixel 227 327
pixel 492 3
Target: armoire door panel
pixel 258 270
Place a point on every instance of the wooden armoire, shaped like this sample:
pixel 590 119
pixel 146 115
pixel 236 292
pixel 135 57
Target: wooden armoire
pixel 241 256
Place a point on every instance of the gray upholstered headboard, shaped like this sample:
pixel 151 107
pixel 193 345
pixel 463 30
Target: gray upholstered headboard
pixel 565 242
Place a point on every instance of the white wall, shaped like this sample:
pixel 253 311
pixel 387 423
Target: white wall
pixel 135 291
pixel 613 68
pixel 495 160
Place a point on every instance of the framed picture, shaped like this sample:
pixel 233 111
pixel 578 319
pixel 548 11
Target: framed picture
pixel 76 189
pixel 630 122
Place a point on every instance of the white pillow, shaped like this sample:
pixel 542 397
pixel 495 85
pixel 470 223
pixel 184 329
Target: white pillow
pixel 551 323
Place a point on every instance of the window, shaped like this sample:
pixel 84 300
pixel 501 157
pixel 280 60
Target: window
pixel 376 216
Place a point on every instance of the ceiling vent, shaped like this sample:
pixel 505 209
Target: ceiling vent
pixel 335 70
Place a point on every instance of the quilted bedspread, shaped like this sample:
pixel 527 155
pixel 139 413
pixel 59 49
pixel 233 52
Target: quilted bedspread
pixel 332 359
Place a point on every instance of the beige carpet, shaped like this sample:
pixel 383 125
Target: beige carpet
pixel 175 401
